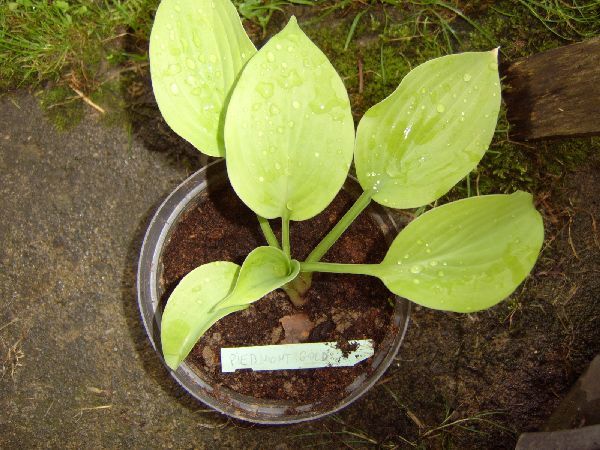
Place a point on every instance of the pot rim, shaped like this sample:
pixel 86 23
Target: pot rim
pixel 240 406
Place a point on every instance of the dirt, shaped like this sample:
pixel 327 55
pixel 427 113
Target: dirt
pixel 339 308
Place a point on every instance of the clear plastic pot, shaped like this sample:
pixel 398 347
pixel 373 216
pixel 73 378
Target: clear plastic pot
pixel 224 400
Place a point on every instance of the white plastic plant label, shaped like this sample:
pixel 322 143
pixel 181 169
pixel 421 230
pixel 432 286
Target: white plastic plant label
pixel 294 356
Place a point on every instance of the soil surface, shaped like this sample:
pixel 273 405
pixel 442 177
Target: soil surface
pixel 339 307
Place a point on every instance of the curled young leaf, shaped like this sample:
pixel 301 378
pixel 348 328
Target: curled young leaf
pixel 197 50
pixel 264 270
pixel 467 255
pixel 289 130
pixel 214 290
pixel 433 130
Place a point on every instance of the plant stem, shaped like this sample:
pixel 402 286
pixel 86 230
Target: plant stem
pixel 361 203
pixel 360 269
pixel 265 226
pixel 285 234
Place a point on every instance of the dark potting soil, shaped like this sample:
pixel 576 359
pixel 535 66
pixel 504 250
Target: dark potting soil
pixel 340 307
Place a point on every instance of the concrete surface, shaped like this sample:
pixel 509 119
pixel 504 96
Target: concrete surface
pixel 76 368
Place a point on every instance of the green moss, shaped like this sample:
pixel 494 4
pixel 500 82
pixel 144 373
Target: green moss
pixel 62 106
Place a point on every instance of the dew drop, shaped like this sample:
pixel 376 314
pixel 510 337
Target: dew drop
pixel 270 57
pixel 416 281
pixel 433 263
pixel 265 89
pixel 467 77
pixel 440 273
pixel 406 256
pixel 280 130
pixel 440 108
pixel 278 46
pixel 416 269
pixel 274 109
pixel 175 88
pixel 296 104
pixel 317 154
pixel 291 124
pixel 277 166
pixel 261 179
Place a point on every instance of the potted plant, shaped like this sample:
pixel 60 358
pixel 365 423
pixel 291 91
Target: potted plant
pixel 281 118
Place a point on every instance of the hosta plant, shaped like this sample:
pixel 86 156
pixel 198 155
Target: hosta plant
pixel 281 117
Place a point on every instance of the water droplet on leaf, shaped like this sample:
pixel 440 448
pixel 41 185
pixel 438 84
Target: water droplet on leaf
pixel 416 269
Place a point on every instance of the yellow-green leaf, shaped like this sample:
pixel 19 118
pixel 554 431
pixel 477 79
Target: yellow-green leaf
pixel 412 147
pixel 214 290
pixel 197 50
pixel 189 310
pixel 289 130
pixel 467 255
pixel 264 270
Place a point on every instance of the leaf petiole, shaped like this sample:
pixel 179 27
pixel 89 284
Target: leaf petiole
pixel 359 269
pixel 265 226
pixel 285 233
pixel 359 205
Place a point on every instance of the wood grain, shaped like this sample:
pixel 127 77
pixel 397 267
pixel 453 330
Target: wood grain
pixel 554 93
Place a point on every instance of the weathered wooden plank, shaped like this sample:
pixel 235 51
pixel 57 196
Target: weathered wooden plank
pixel 554 93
